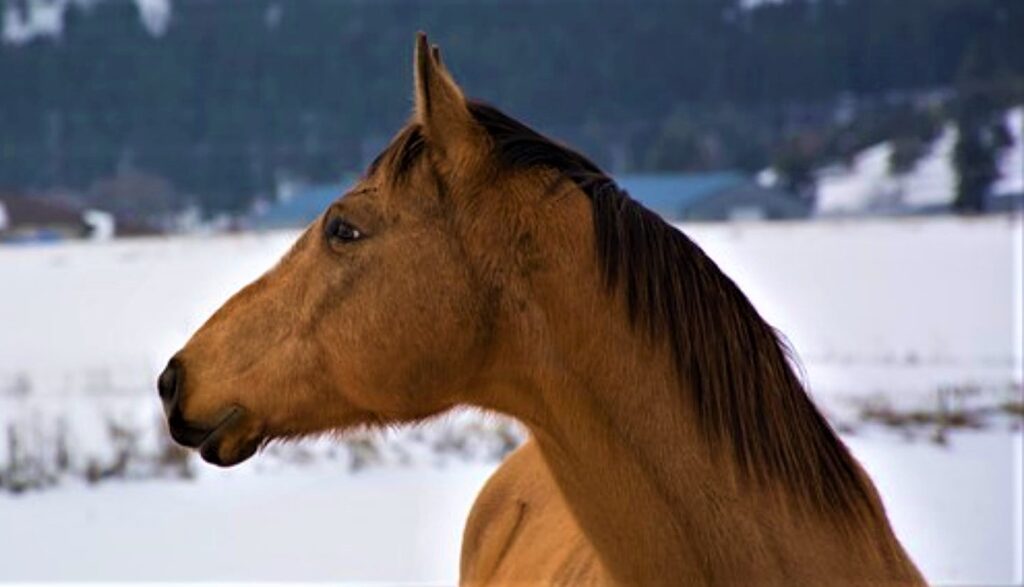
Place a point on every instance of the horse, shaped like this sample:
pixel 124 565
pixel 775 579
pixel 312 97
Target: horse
pixel 478 263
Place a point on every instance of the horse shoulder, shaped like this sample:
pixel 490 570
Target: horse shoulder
pixel 521 531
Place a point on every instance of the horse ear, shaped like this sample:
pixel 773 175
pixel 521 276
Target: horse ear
pixel 441 108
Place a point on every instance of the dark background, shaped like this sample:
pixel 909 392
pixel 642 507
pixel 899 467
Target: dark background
pixel 234 97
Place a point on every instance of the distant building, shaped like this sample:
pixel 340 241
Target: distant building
pixel 56 216
pixel 300 208
pixel 676 197
pixel 25 218
pixel 143 203
pixel 711 197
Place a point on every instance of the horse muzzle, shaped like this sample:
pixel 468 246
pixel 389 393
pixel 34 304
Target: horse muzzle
pixel 214 443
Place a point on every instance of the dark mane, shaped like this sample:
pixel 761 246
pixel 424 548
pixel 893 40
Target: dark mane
pixel 744 388
pixel 400 156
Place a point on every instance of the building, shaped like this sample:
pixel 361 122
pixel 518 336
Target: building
pixel 299 209
pixel 59 216
pixel 27 219
pixel 711 197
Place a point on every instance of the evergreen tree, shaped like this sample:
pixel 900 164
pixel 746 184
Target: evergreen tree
pixel 981 128
pixel 235 94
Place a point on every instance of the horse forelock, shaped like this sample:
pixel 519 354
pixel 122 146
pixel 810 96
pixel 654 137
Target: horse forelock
pixel 397 160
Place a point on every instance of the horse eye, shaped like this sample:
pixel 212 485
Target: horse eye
pixel 339 230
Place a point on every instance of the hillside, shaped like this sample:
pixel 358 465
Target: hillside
pixel 867 184
pixel 224 99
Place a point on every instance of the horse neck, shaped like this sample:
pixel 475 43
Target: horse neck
pixel 624 451
pixel 614 425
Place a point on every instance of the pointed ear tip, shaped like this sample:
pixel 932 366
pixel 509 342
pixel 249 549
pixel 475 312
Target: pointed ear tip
pixel 422 45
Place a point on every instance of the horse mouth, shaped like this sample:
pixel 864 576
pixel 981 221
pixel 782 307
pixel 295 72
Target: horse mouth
pixel 211 442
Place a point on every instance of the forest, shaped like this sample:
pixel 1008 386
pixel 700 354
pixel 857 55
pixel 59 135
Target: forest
pixel 227 100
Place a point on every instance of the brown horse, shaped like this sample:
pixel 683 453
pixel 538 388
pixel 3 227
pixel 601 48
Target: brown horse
pixel 478 263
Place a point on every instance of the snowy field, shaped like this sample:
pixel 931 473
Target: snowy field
pixel 918 315
pixel 957 510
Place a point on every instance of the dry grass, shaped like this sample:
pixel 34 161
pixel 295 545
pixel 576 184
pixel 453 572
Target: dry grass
pixel 955 408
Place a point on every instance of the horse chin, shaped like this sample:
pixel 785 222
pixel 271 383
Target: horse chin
pixel 232 441
pixel 214 452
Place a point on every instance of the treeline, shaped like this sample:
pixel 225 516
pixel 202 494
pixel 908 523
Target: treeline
pixel 236 96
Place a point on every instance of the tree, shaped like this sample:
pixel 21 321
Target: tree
pixel 234 94
pixel 981 127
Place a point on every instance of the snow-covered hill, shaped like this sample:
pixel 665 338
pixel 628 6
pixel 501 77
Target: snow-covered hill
pixel 866 184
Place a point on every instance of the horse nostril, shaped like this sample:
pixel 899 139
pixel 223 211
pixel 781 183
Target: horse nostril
pixel 169 382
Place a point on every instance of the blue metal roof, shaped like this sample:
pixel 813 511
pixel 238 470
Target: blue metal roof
pixel 302 208
pixel 668 194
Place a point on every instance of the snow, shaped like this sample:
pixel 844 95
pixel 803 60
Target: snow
pixel 155 15
pixel 315 524
pixel 899 307
pixel 867 184
pixel 143 298
pixel 45 18
pixel 843 190
pixel 956 509
pixel 930 297
pixel 40 18
pixel 890 308
pixel 101 224
pixel 1011 166
pixel 932 181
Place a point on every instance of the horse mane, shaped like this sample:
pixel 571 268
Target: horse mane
pixel 746 393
